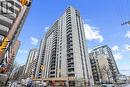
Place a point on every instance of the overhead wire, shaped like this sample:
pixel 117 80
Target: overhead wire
pixel 124 11
pixel 117 8
pixel 128 13
pixel 121 11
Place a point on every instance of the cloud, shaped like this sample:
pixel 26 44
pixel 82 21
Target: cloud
pixel 91 33
pixel 115 48
pixel 127 47
pixel 127 34
pixel 125 69
pixel 34 41
pixel 118 56
pixel 23 51
pixel 46 28
pixel 89 50
pixel 86 20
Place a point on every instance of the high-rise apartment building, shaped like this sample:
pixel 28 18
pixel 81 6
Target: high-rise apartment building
pixel 12 16
pixel 17 73
pixel 104 67
pixel 63 51
pixel 31 63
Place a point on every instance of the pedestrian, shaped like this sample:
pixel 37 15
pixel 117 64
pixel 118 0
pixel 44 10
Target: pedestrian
pixel 53 83
pixel 45 84
pixel 30 84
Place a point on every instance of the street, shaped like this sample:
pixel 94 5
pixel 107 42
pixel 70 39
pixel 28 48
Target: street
pixel 15 84
pixel 125 85
pixel 19 85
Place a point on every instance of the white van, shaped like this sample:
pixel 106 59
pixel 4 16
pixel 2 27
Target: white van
pixel 108 85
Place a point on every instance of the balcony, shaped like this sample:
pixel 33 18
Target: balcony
pixel 68 23
pixel 68 15
pixel 68 26
pixel 69 48
pixel 68 20
pixel 69 54
pixel 70 59
pixel 1 39
pixel 94 71
pixel 3 30
pixel 69 39
pixel 10 16
pixel 52 62
pixel 69 51
pixel 69 42
pixel 52 68
pixel 70 66
pixel 5 21
pixel 70 62
pixel 51 76
pixel 17 4
pixel 71 75
pixel 71 70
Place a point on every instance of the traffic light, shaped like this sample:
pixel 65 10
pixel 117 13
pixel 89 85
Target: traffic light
pixel 42 67
pixel 4 45
pixel 23 2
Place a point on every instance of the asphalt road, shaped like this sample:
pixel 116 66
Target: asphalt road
pixel 125 85
pixel 14 84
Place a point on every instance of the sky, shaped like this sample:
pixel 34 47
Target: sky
pixel 102 26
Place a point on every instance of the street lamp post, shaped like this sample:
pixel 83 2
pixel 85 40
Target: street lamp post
pixel 42 68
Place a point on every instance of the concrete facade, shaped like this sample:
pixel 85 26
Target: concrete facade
pixel 31 62
pixel 63 52
pixel 103 65
pixel 11 22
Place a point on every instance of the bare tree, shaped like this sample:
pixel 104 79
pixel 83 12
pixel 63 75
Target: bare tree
pixel 11 68
pixel 105 71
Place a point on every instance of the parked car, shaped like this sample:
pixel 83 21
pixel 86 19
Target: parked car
pixel 107 85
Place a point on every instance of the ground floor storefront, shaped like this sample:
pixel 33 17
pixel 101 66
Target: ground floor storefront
pixel 64 82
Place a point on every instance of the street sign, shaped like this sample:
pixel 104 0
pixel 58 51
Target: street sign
pixel 42 67
pixel 3 46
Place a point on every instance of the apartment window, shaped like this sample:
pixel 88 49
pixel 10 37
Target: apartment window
pixel 68 26
pixel 71 70
pixel 71 75
pixel 59 74
pixel 69 31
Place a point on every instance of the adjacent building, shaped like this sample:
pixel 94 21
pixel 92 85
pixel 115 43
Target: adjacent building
pixel 63 51
pixel 12 16
pixel 121 79
pixel 17 73
pixel 103 65
pixel 29 69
